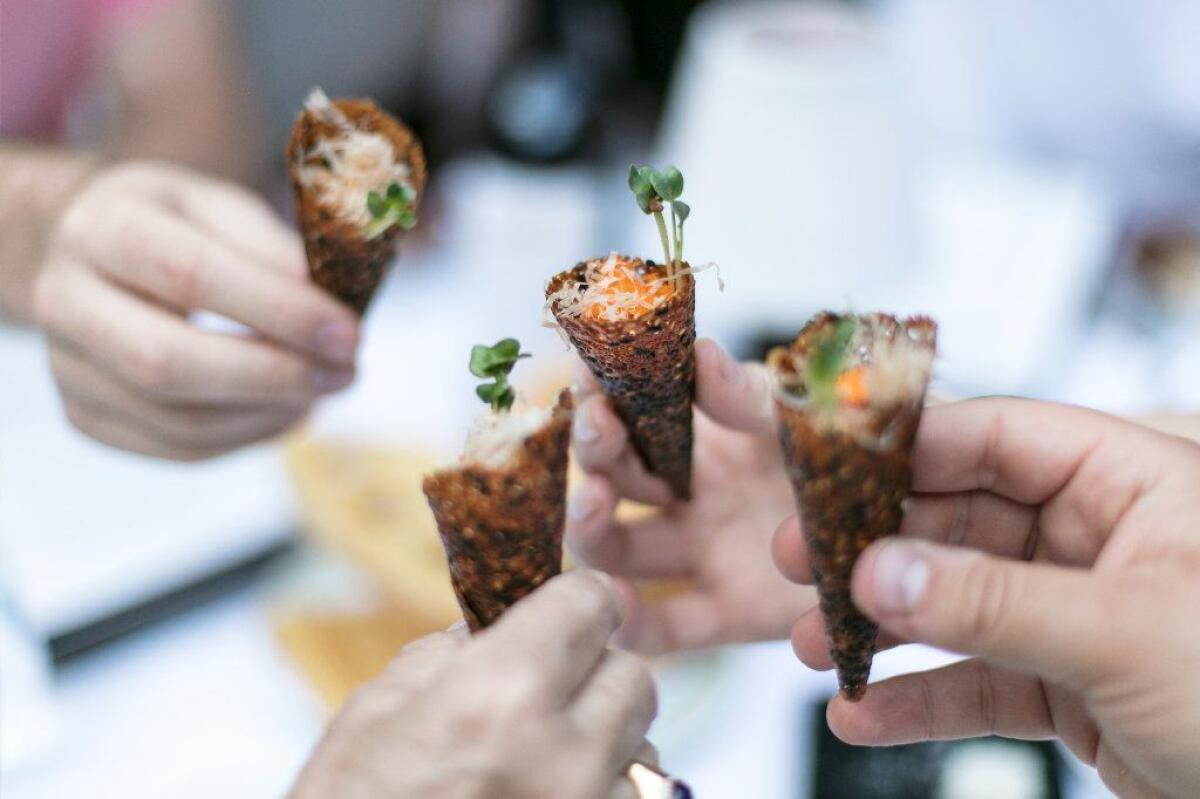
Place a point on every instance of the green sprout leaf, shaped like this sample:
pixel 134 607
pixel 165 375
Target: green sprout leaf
pixel 825 363
pixel 638 183
pixel 651 189
pixel 668 183
pixel 495 363
pixel 396 206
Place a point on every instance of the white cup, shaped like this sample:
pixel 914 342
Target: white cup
pixel 784 118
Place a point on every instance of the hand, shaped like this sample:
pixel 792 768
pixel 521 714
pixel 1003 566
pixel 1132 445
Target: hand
pixel 533 706
pixel 719 540
pixel 136 251
pixel 1082 614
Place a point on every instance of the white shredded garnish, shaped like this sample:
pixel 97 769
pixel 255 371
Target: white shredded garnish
pixel 597 299
pixel 345 169
pixel 495 438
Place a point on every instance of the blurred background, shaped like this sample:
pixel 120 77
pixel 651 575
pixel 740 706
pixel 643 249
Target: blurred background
pixel 1025 171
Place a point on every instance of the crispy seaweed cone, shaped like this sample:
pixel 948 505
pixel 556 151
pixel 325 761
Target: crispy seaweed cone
pixel 502 526
pixel 645 364
pixel 331 174
pixel 848 452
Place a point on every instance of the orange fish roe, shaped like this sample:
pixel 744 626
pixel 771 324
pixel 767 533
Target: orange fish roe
pixel 852 386
pixel 622 293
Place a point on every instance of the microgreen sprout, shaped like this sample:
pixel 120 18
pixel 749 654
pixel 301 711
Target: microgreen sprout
pixel 825 363
pixel 495 362
pixel 651 188
pixel 396 206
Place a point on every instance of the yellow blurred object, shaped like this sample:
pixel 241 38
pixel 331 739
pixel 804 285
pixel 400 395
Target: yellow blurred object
pixel 365 503
pixel 338 651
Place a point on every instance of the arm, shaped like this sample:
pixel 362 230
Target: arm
pixel 35 184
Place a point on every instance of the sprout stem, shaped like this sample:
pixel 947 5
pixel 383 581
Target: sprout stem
pixel 662 235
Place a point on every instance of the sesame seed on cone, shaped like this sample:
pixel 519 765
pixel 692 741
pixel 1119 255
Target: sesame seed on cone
pixel 341 258
pixel 646 367
pixel 502 528
pixel 850 480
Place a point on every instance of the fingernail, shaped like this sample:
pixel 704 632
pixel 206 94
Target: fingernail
pixel 332 379
pixel 582 504
pixel 731 371
pixel 585 431
pixel 337 342
pixel 901 575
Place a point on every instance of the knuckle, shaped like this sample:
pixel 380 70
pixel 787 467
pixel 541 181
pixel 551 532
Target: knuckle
pixel 988 594
pixel 591 595
pixel 181 275
pixel 152 365
pixel 80 419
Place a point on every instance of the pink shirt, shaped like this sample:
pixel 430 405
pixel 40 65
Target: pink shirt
pixel 47 50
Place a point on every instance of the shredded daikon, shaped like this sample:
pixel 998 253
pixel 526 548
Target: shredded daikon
pixel 344 169
pixel 599 299
pixel 496 437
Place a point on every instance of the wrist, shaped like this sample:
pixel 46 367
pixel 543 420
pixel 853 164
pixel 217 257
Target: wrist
pixel 36 187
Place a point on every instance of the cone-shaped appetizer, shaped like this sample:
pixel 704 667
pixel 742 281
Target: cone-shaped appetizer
pixel 633 322
pixel 849 392
pixel 500 511
pixel 358 175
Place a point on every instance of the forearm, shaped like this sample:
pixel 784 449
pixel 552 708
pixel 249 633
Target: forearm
pixel 35 184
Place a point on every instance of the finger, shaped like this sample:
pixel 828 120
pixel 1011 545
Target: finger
pixel 115 433
pixel 615 707
pixel 1022 449
pixel 689 621
pixel 647 753
pixel 734 395
pixel 653 548
pixel 227 210
pixel 602 446
pixel 968 699
pixel 1027 616
pixel 812 646
pixel 789 552
pixel 245 222
pixel 556 635
pixel 162 354
pixel 186 426
pixel 976 519
pixel 153 252
pixel 1116 773
pixel 418 661
pixel 584 381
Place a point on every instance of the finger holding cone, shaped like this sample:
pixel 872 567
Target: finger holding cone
pixel 848 394
pixel 358 176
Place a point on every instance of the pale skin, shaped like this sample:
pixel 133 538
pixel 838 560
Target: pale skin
pixel 139 249
pixel 112 256
pixel 1056 546
pixel 718 541
pixel 534 706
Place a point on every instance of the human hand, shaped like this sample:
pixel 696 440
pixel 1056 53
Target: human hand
pixel 533 706
pixel 1081 614
pixel 138 249
pixel 719 541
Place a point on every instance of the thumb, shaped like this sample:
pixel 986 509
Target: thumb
pixel 1031 617
pixel 734 395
